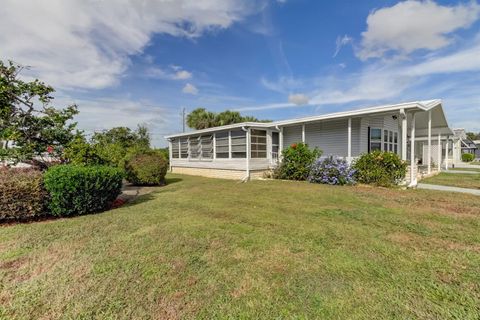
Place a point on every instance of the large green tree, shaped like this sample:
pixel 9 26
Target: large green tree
pixel 29 121
pixel 200 118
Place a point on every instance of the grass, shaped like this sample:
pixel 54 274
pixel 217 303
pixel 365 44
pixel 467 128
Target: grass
pixel 461 180
pixel 216 249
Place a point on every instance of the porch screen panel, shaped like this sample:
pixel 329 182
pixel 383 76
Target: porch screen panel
pixel 275 142
pixel 175 149
pixel 239 144
pixel 195 147
pixel 258 143
pixel 221 145
pixel 184 148
pixel 207 147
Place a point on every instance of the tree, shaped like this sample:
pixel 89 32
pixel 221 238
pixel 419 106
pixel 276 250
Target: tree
pixel 28 119
pixel 113 145
pixel 473 136
pixel 200 118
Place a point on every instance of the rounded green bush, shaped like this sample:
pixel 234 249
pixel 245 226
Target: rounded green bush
pixel 380 168
pixel 147 168
pixel 77 189
pixel 296 162
pixel 467 157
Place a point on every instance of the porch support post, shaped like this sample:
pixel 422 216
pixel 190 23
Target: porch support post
pixel 303 133
pixel 404 134
pixel 429 152
pixel 214 146
pixel 439 152
pixel 446 153
pixel 413 178
pixel 229 145
pixel 280 142
pixel 349 147
pixel 170 154
pixel 248 154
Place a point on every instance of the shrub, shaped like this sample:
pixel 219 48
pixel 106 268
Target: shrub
pixel 79 151
pixel 147 168
pixel 331 171
pixel 467 157
pixel 76 189
pixel 21 194
pixel 296 162
pixel 380 168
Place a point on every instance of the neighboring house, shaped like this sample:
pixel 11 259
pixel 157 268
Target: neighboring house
pixel 477 152
pixel 247 150
pixel 466 144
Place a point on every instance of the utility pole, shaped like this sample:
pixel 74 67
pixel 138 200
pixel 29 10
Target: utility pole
pixel 183 119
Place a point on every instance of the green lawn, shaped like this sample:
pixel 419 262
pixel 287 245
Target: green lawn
pixel 461 180
pixel 206 249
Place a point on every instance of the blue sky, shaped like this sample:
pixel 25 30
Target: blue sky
pixel 128 62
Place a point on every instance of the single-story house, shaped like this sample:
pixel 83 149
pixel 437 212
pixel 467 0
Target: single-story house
pixel 417 131
pixel 466 144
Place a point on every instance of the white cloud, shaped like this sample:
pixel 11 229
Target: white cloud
pixel 341 42
pixel 182 75
pixel 177 74
pixel 87 43
pixel 282 85
pixel 190 89
pixel 413 25
pixel 298 99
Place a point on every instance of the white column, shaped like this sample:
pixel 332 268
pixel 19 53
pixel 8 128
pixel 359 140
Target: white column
pixel 214 146
pixel 349 144
pixel 446 153
pixel 413 178
pixel 404 135
pixel 280 142
pixel 269 145
pixel 429 152
pixel 170 154
pixel 248 153
pixel 439 152
pixel 303 133
pixel 229 145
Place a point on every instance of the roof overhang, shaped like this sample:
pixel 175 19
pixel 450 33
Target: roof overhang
pixel 222 128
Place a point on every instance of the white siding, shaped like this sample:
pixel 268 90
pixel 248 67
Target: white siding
pixel 232 164
pixel 292 135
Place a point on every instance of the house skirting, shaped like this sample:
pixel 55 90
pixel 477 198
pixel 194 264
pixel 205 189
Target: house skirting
pixel 219 173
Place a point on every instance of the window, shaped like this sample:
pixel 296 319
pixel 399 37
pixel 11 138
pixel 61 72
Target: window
pixel 175 148
pixel 184 148
pixel 275 143
pixel 195 147
pixel 239 144
pixel 258 139
pixel 206 143
pixel 221 144
pixel 385 140
pixel 375 139
pixel 395 142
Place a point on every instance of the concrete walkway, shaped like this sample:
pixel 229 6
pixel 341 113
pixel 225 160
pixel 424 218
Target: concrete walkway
pixel 447 188
pixel 461 171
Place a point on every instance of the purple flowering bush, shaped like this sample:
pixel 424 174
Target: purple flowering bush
pixel 331 171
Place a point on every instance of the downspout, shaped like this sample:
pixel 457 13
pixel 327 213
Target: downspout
pixel 247 155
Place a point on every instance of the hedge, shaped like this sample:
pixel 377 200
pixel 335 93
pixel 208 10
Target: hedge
pixel 22 195
pixel 380 168
pixel 467 157
pixel 146 169
pixel 76 189
pixel 296 162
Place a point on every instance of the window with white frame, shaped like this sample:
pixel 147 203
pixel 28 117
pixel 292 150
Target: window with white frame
pixel 375 142
pixel 175 148
pixel 239 143
pixel 258 139
pixel 221 145
pixel 383 140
